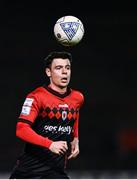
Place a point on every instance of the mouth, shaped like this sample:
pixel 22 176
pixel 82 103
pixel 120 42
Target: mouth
pixel 64 80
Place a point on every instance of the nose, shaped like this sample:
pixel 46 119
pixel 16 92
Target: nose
pixel 64 70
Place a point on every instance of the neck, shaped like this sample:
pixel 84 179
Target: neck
pixel 60 90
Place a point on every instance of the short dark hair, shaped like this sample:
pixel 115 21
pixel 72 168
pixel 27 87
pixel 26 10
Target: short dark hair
pixel 64 55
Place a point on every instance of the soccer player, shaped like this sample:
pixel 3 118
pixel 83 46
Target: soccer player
pixel 48 123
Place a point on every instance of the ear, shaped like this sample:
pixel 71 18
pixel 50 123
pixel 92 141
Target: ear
pixel 48 72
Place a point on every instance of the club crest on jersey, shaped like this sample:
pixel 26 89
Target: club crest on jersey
pixel 64 115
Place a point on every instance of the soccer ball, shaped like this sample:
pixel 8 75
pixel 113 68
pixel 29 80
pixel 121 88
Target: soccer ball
pixel 68 30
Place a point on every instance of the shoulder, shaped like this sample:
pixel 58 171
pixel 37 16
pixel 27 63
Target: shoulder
pixel 36 93
pixel 35 96
pixel 78 95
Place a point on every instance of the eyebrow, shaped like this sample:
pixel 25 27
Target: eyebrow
pixel 62 65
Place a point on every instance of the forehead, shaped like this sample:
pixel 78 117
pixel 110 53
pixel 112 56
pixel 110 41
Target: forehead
pixel 60 61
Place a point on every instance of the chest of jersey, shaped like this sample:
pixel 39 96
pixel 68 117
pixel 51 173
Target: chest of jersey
pixel 59 108
pixel 56 116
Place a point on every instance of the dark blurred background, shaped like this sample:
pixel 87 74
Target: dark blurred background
pixel 104 69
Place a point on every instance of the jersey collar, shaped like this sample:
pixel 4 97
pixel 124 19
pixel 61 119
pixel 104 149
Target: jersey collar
pixel 57 93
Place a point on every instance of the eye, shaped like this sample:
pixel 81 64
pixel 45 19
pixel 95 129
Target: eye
pixel 68 67
pixel 58 67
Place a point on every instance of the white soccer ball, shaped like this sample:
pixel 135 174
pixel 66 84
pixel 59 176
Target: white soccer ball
pixel 68 30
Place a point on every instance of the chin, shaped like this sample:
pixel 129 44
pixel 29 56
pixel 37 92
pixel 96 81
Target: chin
pixel 63 86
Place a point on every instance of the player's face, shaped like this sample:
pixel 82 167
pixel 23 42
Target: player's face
pixel 60 72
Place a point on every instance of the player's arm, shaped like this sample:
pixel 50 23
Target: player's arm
pixel 26 133
pixel 75 142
